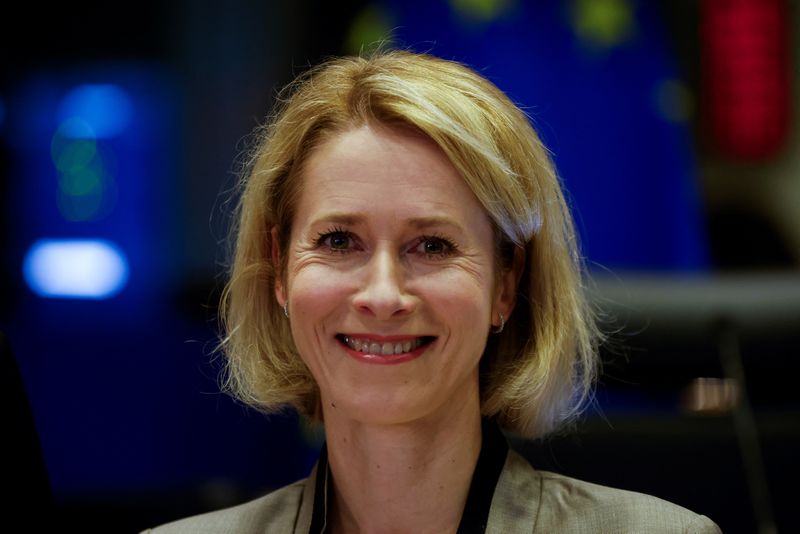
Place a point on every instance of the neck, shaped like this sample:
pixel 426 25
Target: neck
pixel 411 477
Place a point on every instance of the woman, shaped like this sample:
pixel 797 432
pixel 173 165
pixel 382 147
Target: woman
pixel 406 272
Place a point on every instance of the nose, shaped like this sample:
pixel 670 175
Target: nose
pixel 383 290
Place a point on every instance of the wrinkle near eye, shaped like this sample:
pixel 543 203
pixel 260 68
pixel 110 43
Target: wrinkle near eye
pixel 475 265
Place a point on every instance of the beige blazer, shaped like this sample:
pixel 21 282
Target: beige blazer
pixel 525 501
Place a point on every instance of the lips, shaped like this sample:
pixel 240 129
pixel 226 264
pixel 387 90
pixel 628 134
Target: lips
pixel 383 347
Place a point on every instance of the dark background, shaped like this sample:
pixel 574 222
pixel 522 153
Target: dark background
pixel 689 221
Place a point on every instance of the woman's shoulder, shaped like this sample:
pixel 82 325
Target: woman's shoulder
pixel 565 504
pixel 603 509
pixel 278 509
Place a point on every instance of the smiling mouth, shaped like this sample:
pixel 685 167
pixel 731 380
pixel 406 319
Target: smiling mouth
pixel 366 345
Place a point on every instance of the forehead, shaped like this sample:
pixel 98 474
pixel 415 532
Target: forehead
pixel 393 172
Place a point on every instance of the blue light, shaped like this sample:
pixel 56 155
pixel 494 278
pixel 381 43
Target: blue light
pixel 106 109
pixel 2 112
pixel 75 268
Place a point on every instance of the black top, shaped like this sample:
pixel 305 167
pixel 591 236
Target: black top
pixel 491 459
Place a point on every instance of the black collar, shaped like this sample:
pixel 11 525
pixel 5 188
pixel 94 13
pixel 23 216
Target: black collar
pixel 475 518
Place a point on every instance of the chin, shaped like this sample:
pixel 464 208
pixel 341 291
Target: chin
pixel 378 409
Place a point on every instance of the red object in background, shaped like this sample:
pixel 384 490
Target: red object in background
pixel 746 75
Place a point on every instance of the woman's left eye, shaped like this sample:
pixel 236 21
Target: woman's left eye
pixel 434 247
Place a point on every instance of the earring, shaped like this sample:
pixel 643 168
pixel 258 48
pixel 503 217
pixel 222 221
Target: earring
pixel 286 309
pixel 502 325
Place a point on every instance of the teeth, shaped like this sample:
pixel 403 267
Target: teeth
pixel 382 349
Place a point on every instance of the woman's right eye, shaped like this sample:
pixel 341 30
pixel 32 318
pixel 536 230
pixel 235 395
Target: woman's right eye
pixel 338 241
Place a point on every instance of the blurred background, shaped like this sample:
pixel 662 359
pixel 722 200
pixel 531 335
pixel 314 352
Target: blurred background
pixel 673 123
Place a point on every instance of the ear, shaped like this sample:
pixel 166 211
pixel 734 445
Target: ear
pixel 280 294
pixel 507 283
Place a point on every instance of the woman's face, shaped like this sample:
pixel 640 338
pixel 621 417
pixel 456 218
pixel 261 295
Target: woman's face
pixel 390 278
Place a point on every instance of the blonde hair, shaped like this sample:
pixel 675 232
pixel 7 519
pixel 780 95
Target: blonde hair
pixel 539 371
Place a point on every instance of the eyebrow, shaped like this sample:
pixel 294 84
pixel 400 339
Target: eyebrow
pixel 347 219
pixel 419 223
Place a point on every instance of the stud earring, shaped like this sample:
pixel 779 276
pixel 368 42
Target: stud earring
pixel 502 325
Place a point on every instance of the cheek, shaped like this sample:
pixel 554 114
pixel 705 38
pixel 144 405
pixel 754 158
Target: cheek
pixel 317 290
pixel 317 296
pixel 463 299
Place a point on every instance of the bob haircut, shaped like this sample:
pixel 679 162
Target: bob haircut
pixel 540 370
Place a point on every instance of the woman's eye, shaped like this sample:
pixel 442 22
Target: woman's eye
pixel 435 247
pixel 336 241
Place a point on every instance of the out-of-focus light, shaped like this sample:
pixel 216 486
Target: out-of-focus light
pixel 371 27
pixel 711 396
pixel 75 268
pixel 747 76
pixel 80 181
pixel 106 108
pixel 86 186
pixel 85 207
pixel 2 112
pixel 73 145
pixel 673 101
pixel 481 10
pixel 603 23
